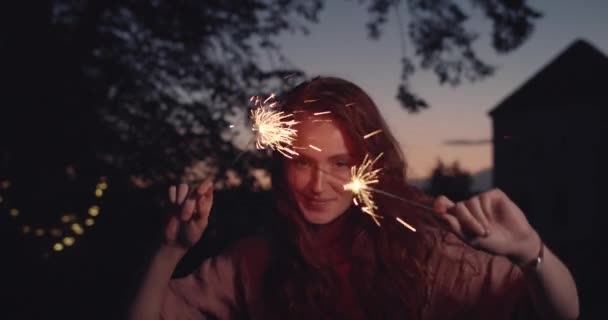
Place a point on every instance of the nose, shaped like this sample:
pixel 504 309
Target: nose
pixel 318 180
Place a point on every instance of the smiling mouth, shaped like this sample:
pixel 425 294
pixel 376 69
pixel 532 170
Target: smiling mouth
pixel 318 202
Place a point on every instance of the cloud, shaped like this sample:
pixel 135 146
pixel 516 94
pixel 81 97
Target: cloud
pixel 467 142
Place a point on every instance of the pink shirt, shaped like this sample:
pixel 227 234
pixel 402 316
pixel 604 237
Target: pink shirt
pixel 228 286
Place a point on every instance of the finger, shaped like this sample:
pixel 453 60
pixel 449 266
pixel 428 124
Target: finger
pixel 470 225
pixel 172 194
pixel 442 204
pixel 453 223
pixel 171 229
pixel 204 188
pixel 475 209
pixel 182 192
pixel 187 209
pixel 488 199
pixel 204 204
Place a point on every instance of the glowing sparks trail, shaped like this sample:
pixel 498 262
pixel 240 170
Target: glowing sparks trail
pixel 361 179
pixel 310 100
pixel 407 225
pixel 273 128
pixel 373 133
pixel 314 147
pixel 270 97
pixel 321 113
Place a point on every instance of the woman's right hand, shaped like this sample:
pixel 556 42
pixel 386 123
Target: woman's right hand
pixel 189 215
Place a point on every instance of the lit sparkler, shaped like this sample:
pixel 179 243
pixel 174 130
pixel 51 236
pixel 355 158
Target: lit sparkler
pixel 361 179
pixel 274 129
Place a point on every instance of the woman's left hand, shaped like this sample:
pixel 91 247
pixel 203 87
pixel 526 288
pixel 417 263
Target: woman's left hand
pixel 491 222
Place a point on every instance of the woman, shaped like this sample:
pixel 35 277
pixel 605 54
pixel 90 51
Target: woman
pixel 326 259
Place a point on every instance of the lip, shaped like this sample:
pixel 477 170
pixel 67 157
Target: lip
pixel 317 202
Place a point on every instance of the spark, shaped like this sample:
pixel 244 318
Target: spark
pixel 349 104
pixel 270 97
pixel 373 133
pixel 310 100
pixel 274 129
pixel 321 113
pixel 322 120
pixel 361 178
pixel 313 147
pixel 406 224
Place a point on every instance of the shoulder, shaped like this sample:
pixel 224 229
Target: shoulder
pixel 250 254
pixel 250 257
pixel 250 246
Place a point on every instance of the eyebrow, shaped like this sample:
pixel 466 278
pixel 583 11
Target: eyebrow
pixel 340 156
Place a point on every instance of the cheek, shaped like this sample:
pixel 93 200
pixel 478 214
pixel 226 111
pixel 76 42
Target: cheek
pixel 345 196
pixel 297 179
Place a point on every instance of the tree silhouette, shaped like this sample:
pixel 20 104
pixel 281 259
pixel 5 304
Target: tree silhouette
pixel 450 181
pixel 441 41
pixel 145 87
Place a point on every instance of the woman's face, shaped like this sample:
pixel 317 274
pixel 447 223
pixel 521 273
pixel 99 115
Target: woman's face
pixel 316 178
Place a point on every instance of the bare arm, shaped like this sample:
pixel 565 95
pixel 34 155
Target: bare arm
pixel 153 290
pixel 491 222
pixel 184 228
pixel 551 284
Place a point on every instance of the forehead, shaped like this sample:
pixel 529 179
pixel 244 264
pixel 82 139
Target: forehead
pixel 322 138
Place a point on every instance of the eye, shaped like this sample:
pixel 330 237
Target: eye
pixel 300 162
pixel 342 164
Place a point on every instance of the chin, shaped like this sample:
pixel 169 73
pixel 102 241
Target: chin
pixel 318 217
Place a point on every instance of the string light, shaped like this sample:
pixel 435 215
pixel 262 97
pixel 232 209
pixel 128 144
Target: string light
pixel 5 184
pixel 14 212
pixel 94 211
pixel 55 232
pixel 39 232
pixel 70 226
pixel 67 218
pixel 69 241
pixel 77 228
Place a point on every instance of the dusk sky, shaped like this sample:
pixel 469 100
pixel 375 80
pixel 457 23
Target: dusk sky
pixel 339 46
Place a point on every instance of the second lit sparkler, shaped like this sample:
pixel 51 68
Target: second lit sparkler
pixel 274 129
pixel 362 179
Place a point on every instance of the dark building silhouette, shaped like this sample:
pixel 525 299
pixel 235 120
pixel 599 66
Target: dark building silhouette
pixel 548 140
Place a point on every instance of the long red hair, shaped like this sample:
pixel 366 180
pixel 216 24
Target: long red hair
pixel 388 271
